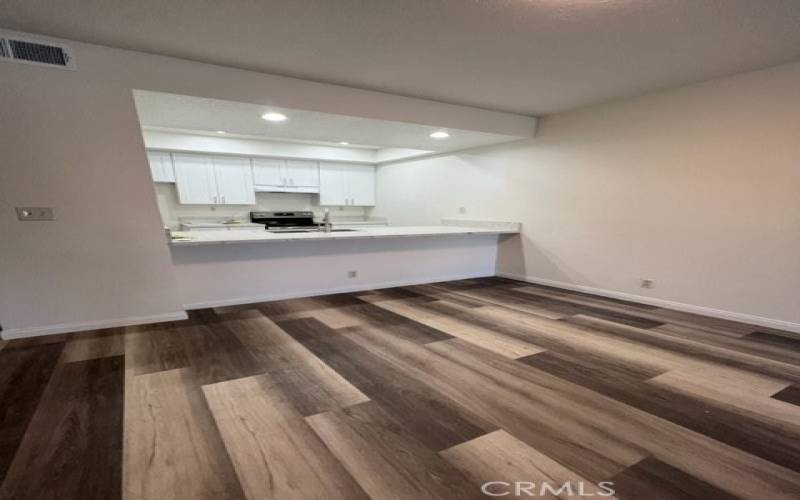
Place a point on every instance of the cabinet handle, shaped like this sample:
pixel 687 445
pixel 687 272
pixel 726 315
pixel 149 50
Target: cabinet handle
pixel 284 181
pixel 215 199
pixel 223 199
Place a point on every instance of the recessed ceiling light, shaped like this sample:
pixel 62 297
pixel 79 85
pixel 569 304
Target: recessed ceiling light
pixel 274 117
pixel 344 143
pixel 221 132
pixel 439 134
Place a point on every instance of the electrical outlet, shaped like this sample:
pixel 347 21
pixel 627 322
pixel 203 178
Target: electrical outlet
pixel 352 274
pixel 648 283
pixel 35 213
pixel 462 210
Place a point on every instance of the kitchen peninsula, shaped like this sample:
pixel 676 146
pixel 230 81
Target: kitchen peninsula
pixel 218 268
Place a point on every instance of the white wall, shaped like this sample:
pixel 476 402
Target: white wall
pixel 697 188
pixel 71 140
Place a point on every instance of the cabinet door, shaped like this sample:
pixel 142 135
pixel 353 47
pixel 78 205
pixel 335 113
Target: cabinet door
pixel 234 181
pixel 302 173
pixel 194 177
pixel 333 184
pixel 161 166
pixel 362 185
pixel 269 172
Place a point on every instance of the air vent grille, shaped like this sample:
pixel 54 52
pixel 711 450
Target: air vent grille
pixel 37 52
pixel 30 50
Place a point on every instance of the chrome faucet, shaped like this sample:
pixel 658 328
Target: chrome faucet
pixel 326 222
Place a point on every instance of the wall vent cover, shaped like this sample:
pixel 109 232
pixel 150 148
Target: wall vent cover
pixel 29 50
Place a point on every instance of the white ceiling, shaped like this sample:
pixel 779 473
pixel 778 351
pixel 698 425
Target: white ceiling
pixel 523 56
pixel 187 113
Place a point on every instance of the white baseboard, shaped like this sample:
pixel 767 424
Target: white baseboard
pixel 38 331
pixel 329 291
pixel 777 324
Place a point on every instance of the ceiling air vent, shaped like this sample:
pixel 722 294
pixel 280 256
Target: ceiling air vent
pixel 26 50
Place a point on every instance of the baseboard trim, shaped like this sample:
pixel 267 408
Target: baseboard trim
pixel 39 331
pixel 329 291
pixel 777 324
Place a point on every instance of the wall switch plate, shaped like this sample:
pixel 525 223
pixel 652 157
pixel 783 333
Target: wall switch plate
pixel 462 210
pixel 35 213
pixel 647 283
pixel 352 274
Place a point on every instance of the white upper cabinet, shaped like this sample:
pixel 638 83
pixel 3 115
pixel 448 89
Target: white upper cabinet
pixel 346 184
pixel 290 176
pixel 302 173
pixel 234 181
pixel 268 172
pixel 161 166
pixel 194 177
pixel 206 180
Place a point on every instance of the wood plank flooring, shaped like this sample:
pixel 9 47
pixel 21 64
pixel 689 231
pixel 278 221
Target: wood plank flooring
pixel 428 391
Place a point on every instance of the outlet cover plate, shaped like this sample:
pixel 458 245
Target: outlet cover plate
pixel 35 213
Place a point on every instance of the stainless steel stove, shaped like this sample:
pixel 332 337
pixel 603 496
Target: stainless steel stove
pixel 286 222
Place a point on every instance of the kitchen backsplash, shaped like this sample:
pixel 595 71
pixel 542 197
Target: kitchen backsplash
pixel 172 211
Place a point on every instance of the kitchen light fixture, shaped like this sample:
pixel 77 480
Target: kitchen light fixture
pixel 221 132
pixel 272 116
pixel 439 134
pixel 344 143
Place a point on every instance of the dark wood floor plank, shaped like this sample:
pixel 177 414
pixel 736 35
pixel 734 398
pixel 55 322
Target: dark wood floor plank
pixel 312 385
pixel 654 479
pixel 73 447
pixel 789 395
pixel 387 460
pixel 788 341
pixel 428 415
pixel 694 349
pixel 760 437
pixel 24 374
pixel 748 344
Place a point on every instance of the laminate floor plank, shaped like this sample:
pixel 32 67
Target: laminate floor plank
pixel 172 446
pixel 653 479
pixel 275 453
pixel 748 392
pixel 790 395
pixel 484 337
pixel 784 341
pixel 762 437
pixel 719 464
pixel 385 459
pixel 697 350
pixel 313 386
pixel 431 418
pixel 748 344
pixel 93 348
pixel 499 456
pixel 73 447
pixel 556 427
pixel 24 374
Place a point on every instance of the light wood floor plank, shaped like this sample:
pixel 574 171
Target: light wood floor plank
pixel 486 338
pixel 275 453
pixel 499 456
pixel 173 449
